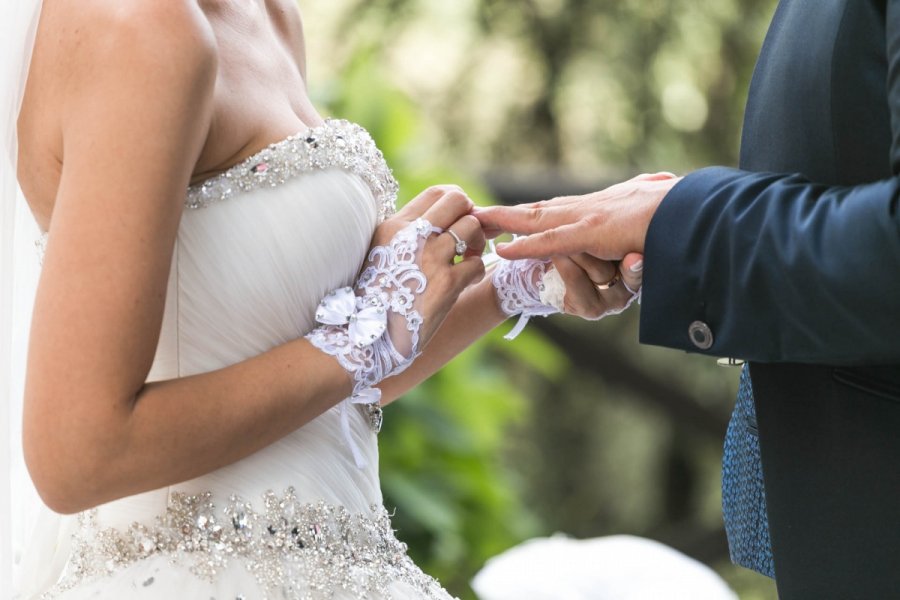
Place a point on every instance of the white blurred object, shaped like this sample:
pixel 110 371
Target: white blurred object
pixel 620 567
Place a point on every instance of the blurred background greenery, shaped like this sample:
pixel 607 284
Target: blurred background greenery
pixel 574 427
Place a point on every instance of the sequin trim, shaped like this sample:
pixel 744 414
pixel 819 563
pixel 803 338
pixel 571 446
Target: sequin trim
pixel 295 551
pixel 337 144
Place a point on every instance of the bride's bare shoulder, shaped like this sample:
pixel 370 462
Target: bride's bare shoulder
pixel 123 51
pixel 84 29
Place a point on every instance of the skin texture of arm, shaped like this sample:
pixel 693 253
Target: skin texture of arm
pixel 138 98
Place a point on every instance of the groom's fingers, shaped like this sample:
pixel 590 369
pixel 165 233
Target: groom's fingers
pixel 655 176
pixel 526 219
pixel 563 240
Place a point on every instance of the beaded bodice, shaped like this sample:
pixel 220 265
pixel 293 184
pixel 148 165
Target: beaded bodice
pixel 337 144
pixel 257 249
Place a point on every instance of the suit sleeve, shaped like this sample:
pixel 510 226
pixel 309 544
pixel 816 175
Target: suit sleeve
pixel 780 269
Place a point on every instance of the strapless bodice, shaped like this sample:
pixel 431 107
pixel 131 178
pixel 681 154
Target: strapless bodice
pixel 257 248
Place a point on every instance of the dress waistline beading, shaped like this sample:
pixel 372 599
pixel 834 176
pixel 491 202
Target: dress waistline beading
pixel 297 550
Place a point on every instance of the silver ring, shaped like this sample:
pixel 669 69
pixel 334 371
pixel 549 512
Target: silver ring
pixel 461 245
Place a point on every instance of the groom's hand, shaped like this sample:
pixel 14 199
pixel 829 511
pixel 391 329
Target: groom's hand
pixel 608 224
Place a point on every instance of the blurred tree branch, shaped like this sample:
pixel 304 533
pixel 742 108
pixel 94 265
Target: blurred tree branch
pixel 607 361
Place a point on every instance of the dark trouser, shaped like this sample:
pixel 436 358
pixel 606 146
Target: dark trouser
pixel 830 442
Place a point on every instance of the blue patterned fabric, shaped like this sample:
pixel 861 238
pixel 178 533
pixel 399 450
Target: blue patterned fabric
pixel 743 496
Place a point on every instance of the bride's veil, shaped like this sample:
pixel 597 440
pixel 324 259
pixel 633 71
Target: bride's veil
pixel 23 518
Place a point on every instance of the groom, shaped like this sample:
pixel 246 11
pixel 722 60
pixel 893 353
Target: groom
pixel 793 263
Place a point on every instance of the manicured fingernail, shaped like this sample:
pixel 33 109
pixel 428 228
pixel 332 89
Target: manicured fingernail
pixel 637 267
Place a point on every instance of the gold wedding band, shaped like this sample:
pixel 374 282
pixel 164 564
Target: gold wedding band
pixel 605 286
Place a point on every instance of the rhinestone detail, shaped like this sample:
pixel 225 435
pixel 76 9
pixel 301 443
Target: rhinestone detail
pixel 295 551
pixel 337 144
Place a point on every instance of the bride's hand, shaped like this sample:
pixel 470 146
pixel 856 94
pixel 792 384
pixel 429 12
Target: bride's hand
pixel 595 288
pixel 408 284
pixel 447 208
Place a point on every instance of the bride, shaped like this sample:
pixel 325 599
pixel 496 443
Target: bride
pixel 226 300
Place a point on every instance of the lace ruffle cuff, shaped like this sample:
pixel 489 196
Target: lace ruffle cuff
pixel 527 288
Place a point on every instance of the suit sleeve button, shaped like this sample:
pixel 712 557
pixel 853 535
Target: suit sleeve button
pixel 701 335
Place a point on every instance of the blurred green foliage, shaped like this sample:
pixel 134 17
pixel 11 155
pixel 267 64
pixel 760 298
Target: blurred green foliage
pixel 574 427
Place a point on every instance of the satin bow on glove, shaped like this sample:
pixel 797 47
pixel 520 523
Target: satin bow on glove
pixel 365 323
pixel 413 274
pixel 373 331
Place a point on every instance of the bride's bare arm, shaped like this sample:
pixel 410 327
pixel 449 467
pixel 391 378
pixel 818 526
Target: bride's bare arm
pixel 475 313
pixel 138 95
pixel 478 311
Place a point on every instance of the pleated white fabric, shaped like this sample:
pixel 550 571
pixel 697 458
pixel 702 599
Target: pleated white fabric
pixel 248 271
pixel 246 276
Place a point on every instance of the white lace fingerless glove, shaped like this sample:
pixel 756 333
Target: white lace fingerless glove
pixel 533 287
pixel 522 290
pixel 373 329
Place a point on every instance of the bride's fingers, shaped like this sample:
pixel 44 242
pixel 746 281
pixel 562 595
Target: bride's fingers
pixel 418 206
pixel 468 271
pixel 587 278
pixel 468 230
pixel 598 271
pixel 581 297
pixel 632 268
pixel 452 205
pixel 614 298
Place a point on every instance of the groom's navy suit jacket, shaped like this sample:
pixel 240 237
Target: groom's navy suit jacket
pixel 793 263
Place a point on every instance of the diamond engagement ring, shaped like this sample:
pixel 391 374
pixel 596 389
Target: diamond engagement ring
pixel 461 245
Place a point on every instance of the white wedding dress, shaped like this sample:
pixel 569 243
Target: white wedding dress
pixel 257 248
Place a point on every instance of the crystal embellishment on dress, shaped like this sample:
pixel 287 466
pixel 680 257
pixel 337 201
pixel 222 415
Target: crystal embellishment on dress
pixel 295 551
pixel 337 144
